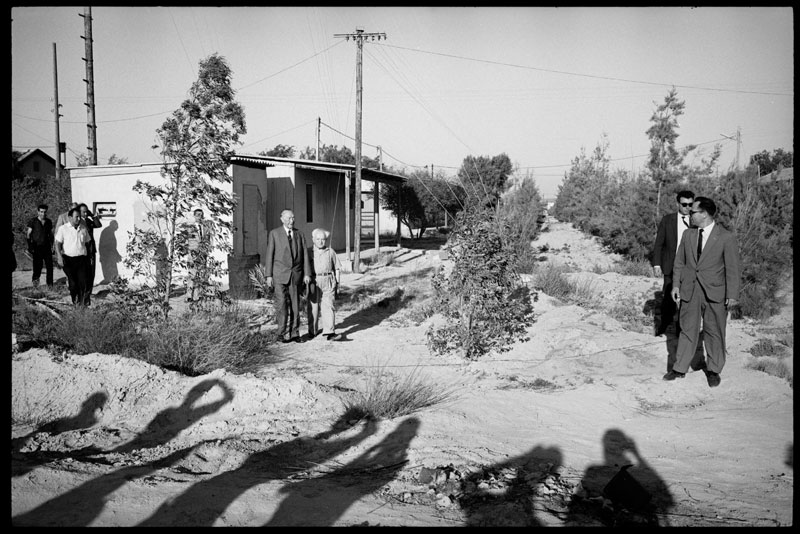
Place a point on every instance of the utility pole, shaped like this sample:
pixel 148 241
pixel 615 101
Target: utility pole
pixel 380 158
pixel 56 113
pixel 738 140
pixel 359 36
pixel 319 125
pixel 91 123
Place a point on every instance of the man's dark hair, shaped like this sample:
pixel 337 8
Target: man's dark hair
pixel 76 210
pixel 195 211
pixel 707 205
pixel 684 194
pixel 42 207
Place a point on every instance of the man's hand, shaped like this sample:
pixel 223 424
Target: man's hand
pixel 730 303
pixel 269 281
pixel 657 270
pixel 306 280
pixel 676 294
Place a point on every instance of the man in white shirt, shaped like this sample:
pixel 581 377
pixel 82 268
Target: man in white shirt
pixel 71 240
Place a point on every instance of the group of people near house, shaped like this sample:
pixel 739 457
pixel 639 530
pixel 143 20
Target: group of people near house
pixel 72 241
pixel 292 271
pixel 698 259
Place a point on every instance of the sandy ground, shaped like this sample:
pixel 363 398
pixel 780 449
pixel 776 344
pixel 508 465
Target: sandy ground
pixel 532 436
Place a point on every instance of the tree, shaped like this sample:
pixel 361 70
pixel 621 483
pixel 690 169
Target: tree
pixel 484 178
pixel 767 163
pixel 522 205
pixel 82 160
pixel 279 151
pixel 664 157
pixel 403 202
pixel 196 144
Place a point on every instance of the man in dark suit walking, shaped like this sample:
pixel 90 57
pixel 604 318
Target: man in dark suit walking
pixel 288 264
pixel 668 237
pixel 706 281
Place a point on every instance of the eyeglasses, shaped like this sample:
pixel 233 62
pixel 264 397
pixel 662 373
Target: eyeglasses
pixel 686 204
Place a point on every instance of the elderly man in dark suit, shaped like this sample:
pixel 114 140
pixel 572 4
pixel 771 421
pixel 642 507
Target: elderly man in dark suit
pixel 706 281
pixel 288 264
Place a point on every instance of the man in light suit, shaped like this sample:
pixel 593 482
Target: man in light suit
pixel 288 264
pixel 706 281
pixel 668 237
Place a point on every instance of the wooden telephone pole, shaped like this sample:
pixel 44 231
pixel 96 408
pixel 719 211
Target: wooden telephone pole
pixel 91 123
pixel 56 113
pixel 359 37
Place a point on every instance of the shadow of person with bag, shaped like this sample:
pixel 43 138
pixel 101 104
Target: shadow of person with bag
pixel 625 490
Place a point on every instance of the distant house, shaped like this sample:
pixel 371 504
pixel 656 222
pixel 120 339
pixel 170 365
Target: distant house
pixel 263 187
pixel 36 163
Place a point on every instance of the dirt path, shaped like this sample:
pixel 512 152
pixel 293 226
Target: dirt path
pixel 554 417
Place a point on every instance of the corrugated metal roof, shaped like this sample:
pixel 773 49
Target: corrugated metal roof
pixel 367 174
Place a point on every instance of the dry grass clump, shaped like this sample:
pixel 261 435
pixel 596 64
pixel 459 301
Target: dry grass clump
pixel 386 396
pixel 193 343
pixel 773 367
pixel 197 343
pixel 553 280
pixel 630 267
pixel 767 347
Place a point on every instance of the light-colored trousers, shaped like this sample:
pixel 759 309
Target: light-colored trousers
pixel 321 307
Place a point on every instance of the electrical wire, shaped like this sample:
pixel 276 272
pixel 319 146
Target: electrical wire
pixel 661 84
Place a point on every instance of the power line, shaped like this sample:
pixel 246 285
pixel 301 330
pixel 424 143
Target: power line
pixel 290 66
pixel 588 75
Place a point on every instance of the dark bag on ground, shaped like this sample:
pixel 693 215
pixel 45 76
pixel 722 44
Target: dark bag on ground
pixel 625 491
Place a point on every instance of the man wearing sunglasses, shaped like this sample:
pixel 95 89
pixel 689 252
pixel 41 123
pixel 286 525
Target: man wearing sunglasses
pixel 706 281
pixel 668 237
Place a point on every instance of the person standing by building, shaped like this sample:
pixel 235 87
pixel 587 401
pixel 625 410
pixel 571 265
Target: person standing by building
pixel 71 240
pixel 288 265
pixel 63 218
pixel 199 245
pixel 40 245
pixel 706 282
pixel 90 222
pixel 325 279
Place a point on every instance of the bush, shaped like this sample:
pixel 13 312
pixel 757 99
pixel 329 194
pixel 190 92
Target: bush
pixel 194 343
pixel 198 343
pixel 483 300
pixel 386 396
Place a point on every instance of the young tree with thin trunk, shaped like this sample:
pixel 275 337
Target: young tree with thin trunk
pixel 196 142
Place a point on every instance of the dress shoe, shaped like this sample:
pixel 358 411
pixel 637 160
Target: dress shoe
pixel 712 378
pixel 285 340
pixel 333 337
pixel 672 375
pixel 297 339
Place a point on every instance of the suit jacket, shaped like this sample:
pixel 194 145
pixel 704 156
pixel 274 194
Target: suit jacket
pixel 279 263
pixel 666 242
pixel 718 271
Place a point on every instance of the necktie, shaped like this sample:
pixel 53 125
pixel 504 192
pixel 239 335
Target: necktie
pixel 684 221
pixel 699 243
pixel 291 248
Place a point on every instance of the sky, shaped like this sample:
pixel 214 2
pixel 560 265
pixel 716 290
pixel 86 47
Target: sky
pixel 538 84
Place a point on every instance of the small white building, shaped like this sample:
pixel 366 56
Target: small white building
pixel 263 186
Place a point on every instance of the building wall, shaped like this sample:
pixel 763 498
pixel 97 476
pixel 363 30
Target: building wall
pixel 108 191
